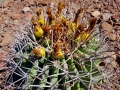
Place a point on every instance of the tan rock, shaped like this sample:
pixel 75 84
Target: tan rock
pixel 96 13
pixel 106 26
pixel 107 16
pixel 26 9
pixel 7 39
pixel 35 9
pixel 112 36
pixel 31 2
pixel 108 31
pixel 15 16
pixel 5 3
pixel 29 16
pixel 109 8
pixel 45 2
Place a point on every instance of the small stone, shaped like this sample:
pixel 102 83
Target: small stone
pixel 29 16
pixel 110 8
pixel 43 2
pixel 115 15
pixel 96 13
pixel 26 9
pixel 106 26
pixel 88 10
pixel 5 3
pixel 15 16
pixel 108 31
pixel 7 39
pixel 31 2
pixel 112 37
pixel 51 5
pixel 106 16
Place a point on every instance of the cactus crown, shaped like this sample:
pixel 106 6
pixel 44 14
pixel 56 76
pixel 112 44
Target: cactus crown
pixel 60 31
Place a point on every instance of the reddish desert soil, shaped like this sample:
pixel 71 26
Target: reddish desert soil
pixel 15 13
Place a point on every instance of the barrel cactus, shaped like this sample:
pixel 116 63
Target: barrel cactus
pixel 59 54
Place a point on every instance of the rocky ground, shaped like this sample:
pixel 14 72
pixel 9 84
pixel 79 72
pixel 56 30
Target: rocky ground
pixel 14 14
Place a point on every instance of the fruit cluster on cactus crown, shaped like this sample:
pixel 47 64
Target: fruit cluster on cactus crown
pixel 59 32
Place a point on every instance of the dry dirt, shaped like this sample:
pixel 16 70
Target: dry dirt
pixel 15 13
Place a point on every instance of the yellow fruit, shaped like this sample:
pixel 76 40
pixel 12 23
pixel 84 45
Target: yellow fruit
pixel 40 20
pixel 38 51
pixel 38 32
pixel 82 37
pixel 73 26
pixel 58 54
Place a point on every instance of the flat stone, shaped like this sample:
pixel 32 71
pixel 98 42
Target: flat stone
pixel 107 16
pixel 5 3
pixel 108 31
pixel 7 39
pixel 96 13
pixel 26 9
pixel 31 2
pixel 112 37
pixel 29 16
pixel 106 26
pixel 43 2
pixel 15 16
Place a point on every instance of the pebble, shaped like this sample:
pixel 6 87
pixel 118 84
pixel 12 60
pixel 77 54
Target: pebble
pixel 96 13
pixel 5 3
pixel 112 36
pixel 15 16
pixel 108 31
pixel 106 26
pixel 31 2
pixel 7 39
pixel 29 16
pixel 106 16
pixel 26 9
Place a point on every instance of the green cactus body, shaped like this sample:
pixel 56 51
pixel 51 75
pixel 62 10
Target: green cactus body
pixel 57 65
pixel 62 78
